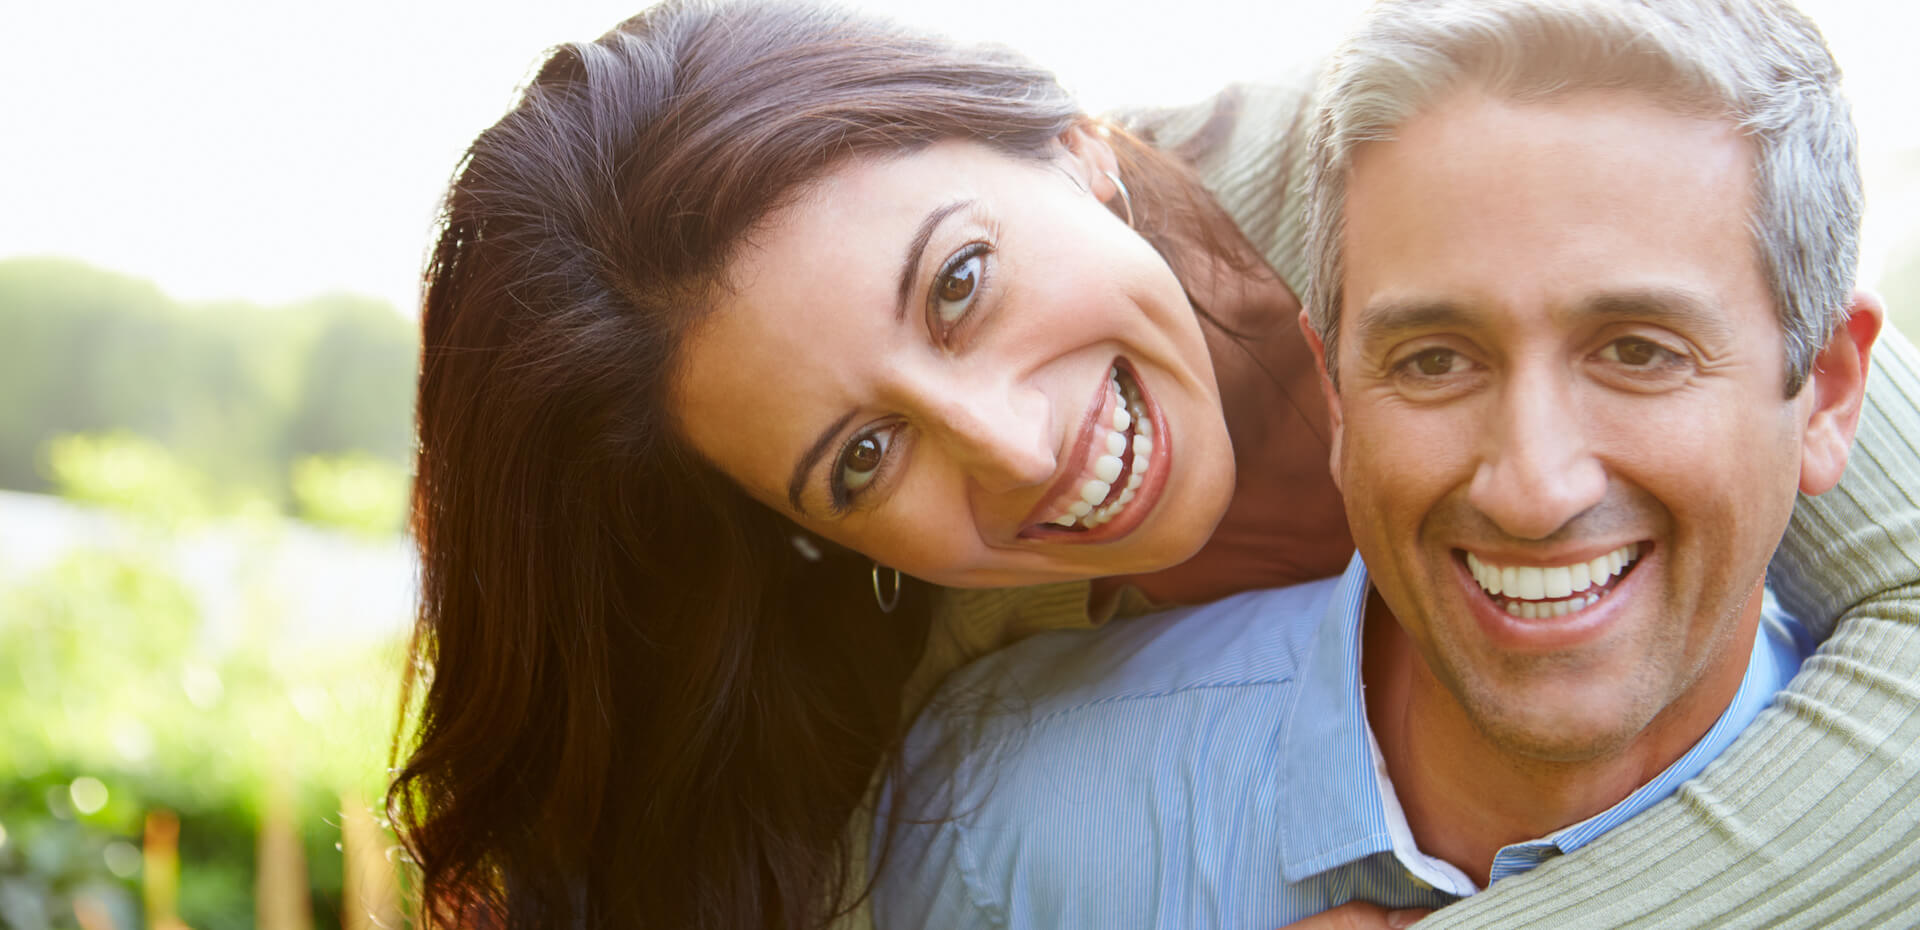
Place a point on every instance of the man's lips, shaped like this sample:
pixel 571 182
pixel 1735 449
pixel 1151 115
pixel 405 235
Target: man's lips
pixel 1550 622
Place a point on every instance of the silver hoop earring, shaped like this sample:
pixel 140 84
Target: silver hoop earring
pixel 887 602
pixel 1126 199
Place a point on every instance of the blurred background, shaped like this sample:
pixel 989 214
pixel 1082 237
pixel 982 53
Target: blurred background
pixel 212 219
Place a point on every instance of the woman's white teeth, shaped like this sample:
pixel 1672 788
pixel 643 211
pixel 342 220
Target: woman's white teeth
pixel 1535 592
pixel 1130 430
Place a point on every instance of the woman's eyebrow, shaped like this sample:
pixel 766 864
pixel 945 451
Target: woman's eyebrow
pixel 811 457
pixel 917 247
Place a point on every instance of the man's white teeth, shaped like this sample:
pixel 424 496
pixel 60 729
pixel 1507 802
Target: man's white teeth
pixel 1542 610
pixel 1551 591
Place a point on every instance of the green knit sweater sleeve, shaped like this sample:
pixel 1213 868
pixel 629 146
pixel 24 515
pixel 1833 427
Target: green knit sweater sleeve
pixel 1812 818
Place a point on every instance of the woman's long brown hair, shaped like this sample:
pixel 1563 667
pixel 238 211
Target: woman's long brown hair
pixel 637 702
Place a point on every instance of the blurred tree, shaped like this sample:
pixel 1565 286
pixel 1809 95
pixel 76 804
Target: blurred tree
pixel 357 395
pixel 235 391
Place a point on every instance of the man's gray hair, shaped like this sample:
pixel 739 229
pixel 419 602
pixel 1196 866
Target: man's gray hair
pixel 1758 63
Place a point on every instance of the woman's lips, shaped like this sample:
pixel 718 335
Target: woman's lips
pixel 1118 456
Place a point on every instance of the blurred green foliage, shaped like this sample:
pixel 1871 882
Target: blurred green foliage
pixel 118 694
pixel 357 492
pixel 128 473
pixel 106 673
pixel 238 392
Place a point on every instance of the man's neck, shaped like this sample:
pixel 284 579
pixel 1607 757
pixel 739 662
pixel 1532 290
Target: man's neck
pixel 1466 795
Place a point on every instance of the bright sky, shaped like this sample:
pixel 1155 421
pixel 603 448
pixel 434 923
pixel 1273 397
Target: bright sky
pixel 271 151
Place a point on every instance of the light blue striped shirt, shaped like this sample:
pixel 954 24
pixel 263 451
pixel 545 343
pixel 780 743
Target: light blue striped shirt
pixel 1206 767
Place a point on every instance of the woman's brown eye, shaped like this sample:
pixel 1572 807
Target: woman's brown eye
pixel 955 289
pixel 859 464
pixel 957 285
pixel 864 456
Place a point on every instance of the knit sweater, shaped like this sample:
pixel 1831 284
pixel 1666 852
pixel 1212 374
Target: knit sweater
pixel 1812 818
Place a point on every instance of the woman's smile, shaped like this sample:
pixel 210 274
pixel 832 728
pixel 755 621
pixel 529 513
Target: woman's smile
pixel 1118 468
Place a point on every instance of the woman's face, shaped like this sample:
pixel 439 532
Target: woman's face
pixel 964 366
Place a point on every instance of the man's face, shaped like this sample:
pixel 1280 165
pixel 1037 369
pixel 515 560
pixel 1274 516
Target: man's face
pixel 1562 427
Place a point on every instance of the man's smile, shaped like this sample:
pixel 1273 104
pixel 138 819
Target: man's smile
pixel 1536 592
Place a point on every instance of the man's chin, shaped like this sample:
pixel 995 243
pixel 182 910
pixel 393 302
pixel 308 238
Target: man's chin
pixel 1562 731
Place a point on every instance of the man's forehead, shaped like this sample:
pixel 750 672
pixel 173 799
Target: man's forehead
pixel 1601 203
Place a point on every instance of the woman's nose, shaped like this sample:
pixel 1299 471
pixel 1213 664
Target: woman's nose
pixel 1002 438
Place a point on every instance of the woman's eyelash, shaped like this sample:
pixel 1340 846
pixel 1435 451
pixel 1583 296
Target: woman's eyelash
pixel 864 458
pixel 957 287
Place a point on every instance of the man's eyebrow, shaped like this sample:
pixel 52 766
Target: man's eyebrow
pixel 811 457
pixel 1685 310
pixel 1384 320
pixel 917 246
pixel 1681 308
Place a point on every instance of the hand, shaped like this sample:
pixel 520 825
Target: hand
pixel 1360 915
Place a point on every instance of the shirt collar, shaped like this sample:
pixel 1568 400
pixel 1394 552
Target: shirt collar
pixel 1335 812
pixel 1332 807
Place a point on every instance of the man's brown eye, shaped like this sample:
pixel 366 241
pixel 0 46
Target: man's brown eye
pixel 1636 352
pixel 1434 362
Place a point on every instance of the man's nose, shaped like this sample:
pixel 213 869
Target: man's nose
pixel 1000 434
pixel 1537 470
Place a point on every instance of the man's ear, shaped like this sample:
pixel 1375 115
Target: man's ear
pixel 1090 159
pixel 1327 391
pixel 1838 382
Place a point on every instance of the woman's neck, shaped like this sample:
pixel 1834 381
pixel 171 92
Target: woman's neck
pixel 1285 523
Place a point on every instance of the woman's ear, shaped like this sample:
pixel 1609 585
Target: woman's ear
pixel 1838 384
pixel 1090 160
